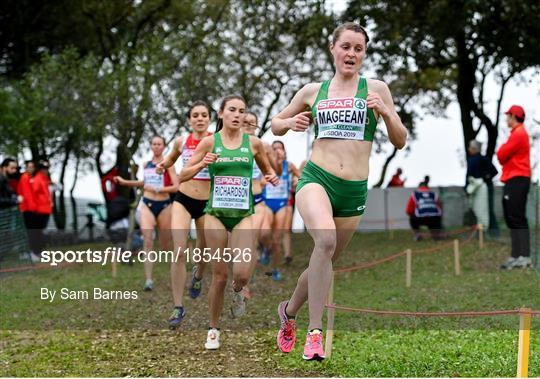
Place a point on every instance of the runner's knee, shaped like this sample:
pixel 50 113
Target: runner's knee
pixel 325 242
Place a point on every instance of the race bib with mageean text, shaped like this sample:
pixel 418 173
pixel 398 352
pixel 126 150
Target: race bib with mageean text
pixel 342 118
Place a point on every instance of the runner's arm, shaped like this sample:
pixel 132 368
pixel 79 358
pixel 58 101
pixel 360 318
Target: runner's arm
pixel 171 158
pixel 296 115
pixel 380 100
pixel 272 159
pixel 201 158
pixel 174 181
pixel 129 183
pixel 295 171
pixel 259 154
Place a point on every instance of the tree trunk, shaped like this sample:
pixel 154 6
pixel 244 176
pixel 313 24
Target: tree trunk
pixel 123 159
pixel 385 168
pixel 465 88
pixel 59 210
pixel 75 224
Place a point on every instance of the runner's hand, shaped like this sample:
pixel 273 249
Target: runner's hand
pixel 160 168
pixel 300 122
pixel 118 180
pixel 272 179
pixel 209 158
pixel 375 102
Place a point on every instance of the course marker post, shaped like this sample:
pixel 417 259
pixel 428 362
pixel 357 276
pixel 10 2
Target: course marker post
pixel 524 343
pixel 408 268
pixel 480 236
pixel 113 268
pixel 330 320
pixel 457 264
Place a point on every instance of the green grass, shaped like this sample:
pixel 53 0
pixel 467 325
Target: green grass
pixel 129 338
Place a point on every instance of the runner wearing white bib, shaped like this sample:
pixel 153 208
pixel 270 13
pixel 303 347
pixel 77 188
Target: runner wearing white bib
pixel 189 203
pixel 229 155
pixel 345 112
pixel 155 209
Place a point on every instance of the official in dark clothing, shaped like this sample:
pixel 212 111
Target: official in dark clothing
pixel 480 172
pixel 424 209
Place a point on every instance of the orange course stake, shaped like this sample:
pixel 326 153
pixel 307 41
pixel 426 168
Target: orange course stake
pixel 524 343
pixel 457 263
pixel 408 268
pixel 113 269
pixel 330 321
pixel 480 236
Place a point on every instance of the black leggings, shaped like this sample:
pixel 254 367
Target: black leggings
pixel 515 195
pixel 35 223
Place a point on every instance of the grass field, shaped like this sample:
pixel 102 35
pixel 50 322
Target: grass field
pixel 130 337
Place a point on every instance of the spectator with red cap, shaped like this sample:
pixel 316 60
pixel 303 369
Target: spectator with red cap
pixel 514 156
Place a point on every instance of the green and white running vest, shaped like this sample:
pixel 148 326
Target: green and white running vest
pixel 230 175
pixel 344 118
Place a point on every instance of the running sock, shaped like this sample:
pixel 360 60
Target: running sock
pixel 312 330
pixel 235 290
pixel 287 315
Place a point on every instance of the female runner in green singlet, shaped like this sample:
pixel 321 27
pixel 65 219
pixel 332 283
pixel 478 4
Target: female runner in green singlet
pixel 345 111
pixel 229 155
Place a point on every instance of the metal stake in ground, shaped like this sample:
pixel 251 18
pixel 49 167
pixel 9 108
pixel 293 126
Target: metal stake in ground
pixel 408 268
pixel 457 264
pixel 480 236
pixel 524 343
pixel 330 314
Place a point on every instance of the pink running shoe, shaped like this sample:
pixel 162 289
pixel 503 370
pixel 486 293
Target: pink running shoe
pixel 286 337
pixel 313 349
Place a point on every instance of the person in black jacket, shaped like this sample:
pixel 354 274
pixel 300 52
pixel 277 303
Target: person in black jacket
pixel 8 196
pixel 479 185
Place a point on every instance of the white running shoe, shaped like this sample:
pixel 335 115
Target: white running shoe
pixel 523 262
pixel 148 285
pixel 212 339
pixel 509 264
pixel 238 306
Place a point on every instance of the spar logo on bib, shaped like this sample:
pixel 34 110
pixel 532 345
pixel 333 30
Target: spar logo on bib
pixel 342 118
pixel 346 103
pixel 228 181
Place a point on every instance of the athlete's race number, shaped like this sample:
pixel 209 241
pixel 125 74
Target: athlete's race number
pixel 227 255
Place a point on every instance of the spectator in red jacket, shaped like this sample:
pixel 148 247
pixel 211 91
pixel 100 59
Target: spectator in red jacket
pixel 396 181
pixel 24 189
pixel 425 209
pixel 42 207
pixel 514 156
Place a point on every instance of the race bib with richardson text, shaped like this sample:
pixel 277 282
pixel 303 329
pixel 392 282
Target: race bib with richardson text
pixel 342 118
pixel 231 192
